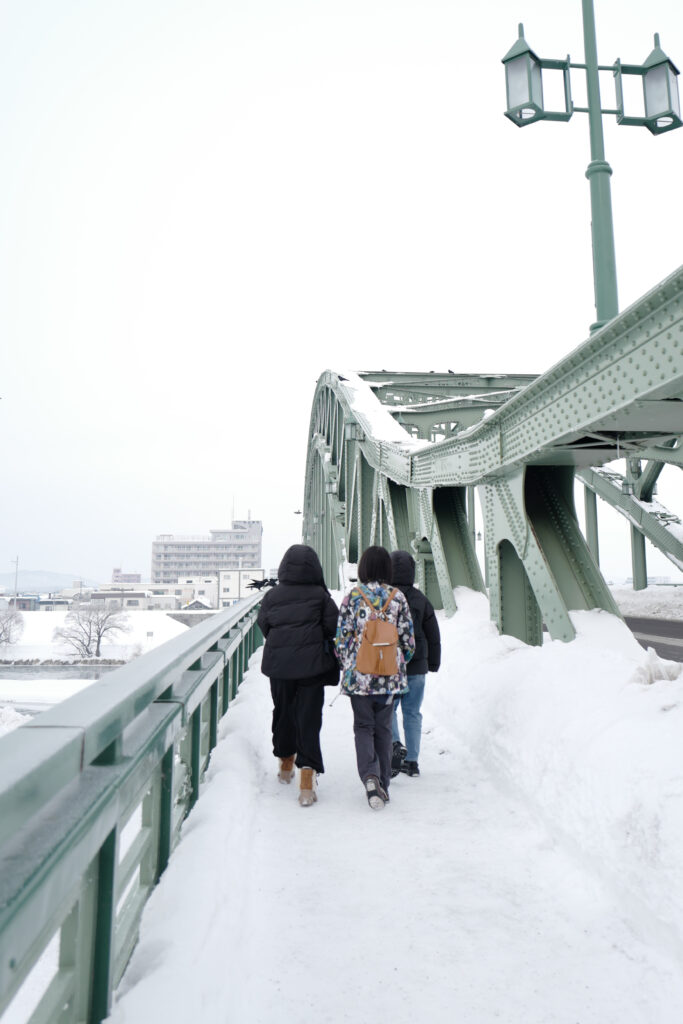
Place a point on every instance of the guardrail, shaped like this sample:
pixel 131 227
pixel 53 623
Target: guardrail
pixel 93 794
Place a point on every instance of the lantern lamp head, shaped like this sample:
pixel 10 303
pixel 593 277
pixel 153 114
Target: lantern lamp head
pixel 524 83
pixel 660 91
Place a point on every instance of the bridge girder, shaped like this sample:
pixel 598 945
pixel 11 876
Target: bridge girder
pixel 519 440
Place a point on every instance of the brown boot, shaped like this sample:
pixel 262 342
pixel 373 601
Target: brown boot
pixel 287 770
pixel 307 784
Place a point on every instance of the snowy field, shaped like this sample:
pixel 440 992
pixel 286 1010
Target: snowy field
pixel 148 629
pixel 533 874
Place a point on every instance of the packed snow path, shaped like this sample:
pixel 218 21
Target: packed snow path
pixel 452 904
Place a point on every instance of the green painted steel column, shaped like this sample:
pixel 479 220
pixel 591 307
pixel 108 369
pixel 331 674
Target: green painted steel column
pixel 471 517
pixel 101 992
pixel 598 174
pixel 165 811
pixel 194 728
pixel 638 560
pixel 225 699
pixel 591 507
pixel 213 719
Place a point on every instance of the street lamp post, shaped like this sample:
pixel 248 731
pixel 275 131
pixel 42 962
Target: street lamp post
pixel 599 173
pixel 524 83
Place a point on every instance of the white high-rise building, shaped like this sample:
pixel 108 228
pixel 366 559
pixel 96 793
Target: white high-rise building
pixel 174 556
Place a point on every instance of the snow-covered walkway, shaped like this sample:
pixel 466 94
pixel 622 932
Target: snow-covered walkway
pixel 455 903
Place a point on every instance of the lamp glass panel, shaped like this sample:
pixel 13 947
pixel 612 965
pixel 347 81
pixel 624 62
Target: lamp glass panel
pixel 517 75
pixel 536 84
pixel 673 91
pixel 656 88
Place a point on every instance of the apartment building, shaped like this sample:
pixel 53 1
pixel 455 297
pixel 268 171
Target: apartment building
pixel 234 585
pixel 175 556
pixel 204 588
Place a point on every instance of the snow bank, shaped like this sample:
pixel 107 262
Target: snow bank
pixel 489 918
pixel 589 733
pixel 655 602
pixel 11 719
pixel 148 629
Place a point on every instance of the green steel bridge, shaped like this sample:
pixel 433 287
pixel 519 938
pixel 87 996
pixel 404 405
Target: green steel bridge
pixel 93 792
pixel 394 459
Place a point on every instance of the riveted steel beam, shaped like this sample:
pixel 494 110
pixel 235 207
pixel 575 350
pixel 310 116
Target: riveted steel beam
pixel 518 440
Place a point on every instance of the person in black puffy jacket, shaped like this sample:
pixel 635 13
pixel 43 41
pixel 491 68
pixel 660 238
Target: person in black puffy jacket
pixel 298 619
pixel 427 658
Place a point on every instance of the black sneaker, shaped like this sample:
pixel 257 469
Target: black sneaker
pixel 377 796
pixel 410 768
pixel 397 755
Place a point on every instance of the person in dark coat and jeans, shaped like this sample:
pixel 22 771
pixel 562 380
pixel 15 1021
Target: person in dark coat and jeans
pixel 298 619
pixel 427 657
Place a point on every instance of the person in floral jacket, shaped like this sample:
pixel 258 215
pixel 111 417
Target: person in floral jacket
pixel 372 696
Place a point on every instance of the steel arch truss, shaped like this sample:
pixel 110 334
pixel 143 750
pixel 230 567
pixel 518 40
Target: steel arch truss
pixel 353 500
pixel 394 459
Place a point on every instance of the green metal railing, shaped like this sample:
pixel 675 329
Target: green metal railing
pixel 93 794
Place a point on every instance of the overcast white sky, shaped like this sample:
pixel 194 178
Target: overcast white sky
pixel 205 203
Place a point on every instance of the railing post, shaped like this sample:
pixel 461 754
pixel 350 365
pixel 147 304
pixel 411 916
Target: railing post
pixel 100 1002
pixel 165 811
pixel 195 729
pixel 213 719
pixel 227 684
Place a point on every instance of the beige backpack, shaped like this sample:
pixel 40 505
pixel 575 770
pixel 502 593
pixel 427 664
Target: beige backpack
pixel 378 651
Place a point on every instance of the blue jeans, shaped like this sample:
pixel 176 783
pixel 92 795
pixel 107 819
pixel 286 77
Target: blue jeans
pixel 410 702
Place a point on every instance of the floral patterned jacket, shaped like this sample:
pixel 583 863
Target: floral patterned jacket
pixel 353 615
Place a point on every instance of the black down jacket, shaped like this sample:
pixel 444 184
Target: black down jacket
pixel 298 618
pixel 427 657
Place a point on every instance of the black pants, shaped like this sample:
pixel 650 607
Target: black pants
pixel 372 731
pixel 297 719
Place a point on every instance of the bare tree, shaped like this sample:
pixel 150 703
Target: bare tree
pixel 86 626
pixel 11 626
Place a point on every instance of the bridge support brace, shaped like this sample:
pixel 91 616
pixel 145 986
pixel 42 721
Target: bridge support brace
pixel 638 559
pixel 591 508
pixel 538 562
pixel 352 505
pixel 632 497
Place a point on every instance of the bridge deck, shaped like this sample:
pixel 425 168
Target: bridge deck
pixel 452 904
